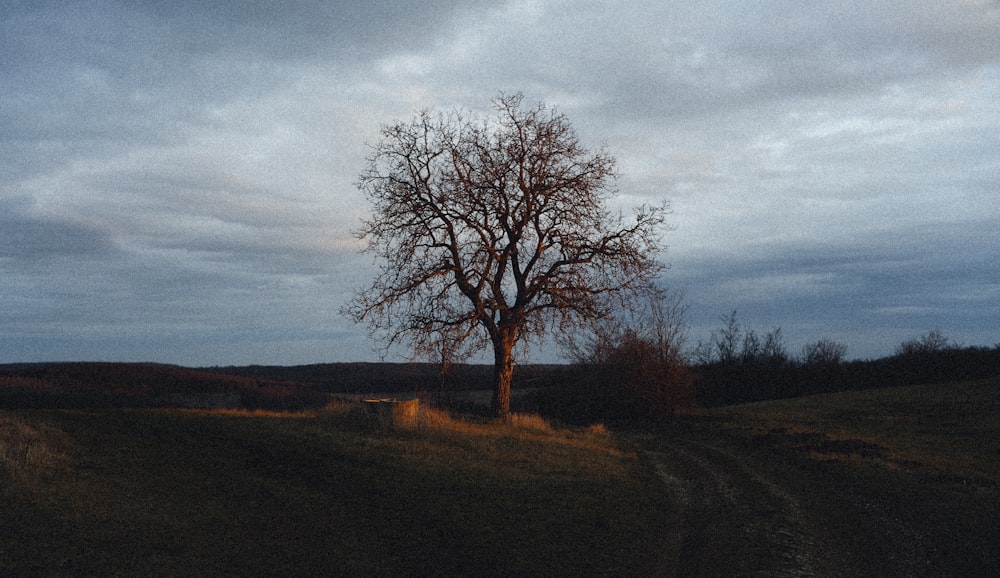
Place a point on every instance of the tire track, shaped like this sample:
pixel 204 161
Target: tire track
pixel 736 520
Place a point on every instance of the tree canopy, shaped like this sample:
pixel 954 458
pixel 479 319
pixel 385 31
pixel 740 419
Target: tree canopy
pixel 492 230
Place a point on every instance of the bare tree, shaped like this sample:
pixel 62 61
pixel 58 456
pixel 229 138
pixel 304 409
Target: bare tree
pixel 493 231
pixel 657 317
pixel 824 352
pixel 635 359
pixel 445 350
pixel 933 341
pixel 735 343
pixel 723 346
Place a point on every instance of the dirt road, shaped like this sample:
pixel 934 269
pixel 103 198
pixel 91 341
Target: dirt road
pixel 759 512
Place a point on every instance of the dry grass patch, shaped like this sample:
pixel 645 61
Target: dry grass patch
pixel 518 429
pixel 530 422
pixel 433 421
pixel 26 450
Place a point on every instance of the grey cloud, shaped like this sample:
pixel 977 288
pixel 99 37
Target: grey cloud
pixel 26 239
pixel 709 57
pixel 215 217
pixel 845 46
pixel 870 293
pixel 103 76
pixel 295 30
pixel 181 172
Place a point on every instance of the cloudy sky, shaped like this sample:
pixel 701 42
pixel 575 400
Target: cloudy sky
pixel 177 177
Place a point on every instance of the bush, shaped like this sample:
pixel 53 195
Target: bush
pixel 630 368
pixel 824 352
pixel 932 342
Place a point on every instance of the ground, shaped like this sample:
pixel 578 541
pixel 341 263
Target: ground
pixel 755 505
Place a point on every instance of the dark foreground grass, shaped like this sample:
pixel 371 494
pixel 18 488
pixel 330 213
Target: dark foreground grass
pixel 907 478
pixel 175 493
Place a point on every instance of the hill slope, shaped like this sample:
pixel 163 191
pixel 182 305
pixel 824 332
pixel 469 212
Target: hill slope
pixel 900 481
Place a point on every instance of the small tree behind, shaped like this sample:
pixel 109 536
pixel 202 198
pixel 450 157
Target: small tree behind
pixel 735 344
pixel 632 365
pixel 493 231
pixel 934 341
pixel 823 353
pixel 821 367
pixel 737 364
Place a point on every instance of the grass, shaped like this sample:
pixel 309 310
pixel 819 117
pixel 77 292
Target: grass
pixel 947 429
pixel 170 492
pixel 26 451
pixel 184 492
pixel 921 461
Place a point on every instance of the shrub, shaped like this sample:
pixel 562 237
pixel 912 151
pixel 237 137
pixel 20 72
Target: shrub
pixel 824 352
pixel 933 341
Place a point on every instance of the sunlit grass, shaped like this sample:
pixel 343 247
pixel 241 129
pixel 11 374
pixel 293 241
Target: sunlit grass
pixel 432 421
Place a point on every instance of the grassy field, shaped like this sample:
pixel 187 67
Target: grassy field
pixel 895 482
pixel 901 481
pixel 172 492
pixel 948 430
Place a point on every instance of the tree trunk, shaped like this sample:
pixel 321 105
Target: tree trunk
pixel 503 370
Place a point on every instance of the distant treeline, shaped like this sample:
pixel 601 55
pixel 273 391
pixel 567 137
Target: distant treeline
pixel 364 378
pixel 101 384
pixel 587 393
pixel 745 380
pixel 98 385
pixel 575 392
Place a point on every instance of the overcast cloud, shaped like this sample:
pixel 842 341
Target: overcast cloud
pixel 177 177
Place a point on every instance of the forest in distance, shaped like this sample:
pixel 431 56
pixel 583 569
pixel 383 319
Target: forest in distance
pixel 570 392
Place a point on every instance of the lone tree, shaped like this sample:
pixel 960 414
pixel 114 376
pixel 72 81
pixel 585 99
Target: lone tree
pixel 493 231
